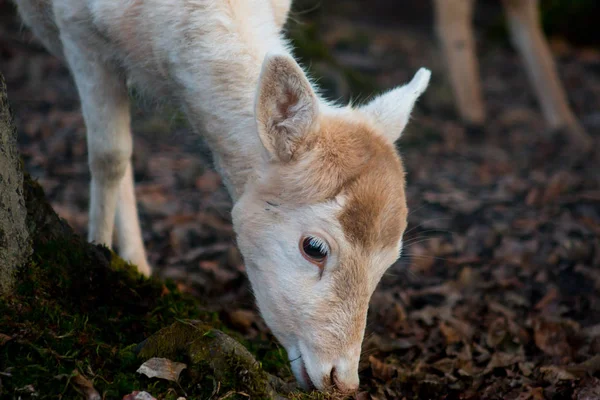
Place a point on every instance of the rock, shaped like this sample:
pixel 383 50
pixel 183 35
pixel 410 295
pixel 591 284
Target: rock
pixel 210 351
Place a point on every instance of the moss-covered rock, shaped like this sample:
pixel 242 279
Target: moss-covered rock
pixel 210 353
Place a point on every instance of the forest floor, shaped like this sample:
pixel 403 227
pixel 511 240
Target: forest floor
pixel 497 295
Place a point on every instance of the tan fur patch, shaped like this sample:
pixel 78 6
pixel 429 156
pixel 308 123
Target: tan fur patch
pixel 349 158
pixel 375 213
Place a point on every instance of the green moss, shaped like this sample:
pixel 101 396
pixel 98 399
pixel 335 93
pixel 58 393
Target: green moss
pixel 80 307
pixel 273 357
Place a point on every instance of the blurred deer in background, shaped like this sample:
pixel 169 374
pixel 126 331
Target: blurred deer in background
pixel 455 31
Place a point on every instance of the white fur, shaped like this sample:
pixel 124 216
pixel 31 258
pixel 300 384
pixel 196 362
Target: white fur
pixel 391 110
pixel 207 55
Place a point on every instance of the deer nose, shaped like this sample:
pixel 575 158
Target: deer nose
pixel 343 379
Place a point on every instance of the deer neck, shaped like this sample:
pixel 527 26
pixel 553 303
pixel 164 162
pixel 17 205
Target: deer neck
pixel 220 91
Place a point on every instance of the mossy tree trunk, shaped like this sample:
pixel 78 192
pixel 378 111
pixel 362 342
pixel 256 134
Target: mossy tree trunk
pixel 15 246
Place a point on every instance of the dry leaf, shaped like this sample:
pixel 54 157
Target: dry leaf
pixel 363 396
pixel 84 385
pixel 536 393
pixel 502 360
pixel 559 184
pixel 526 368
pixel 382 370
pixel 551 337
pixel 241 319
pixel 590 367
pixel 451 334
pixel 553 374
pixel 388 345
pixel 162 368
pixel 496 332
pixel 137 395
pixel 4 338
pixel 550 297
pixel 445 365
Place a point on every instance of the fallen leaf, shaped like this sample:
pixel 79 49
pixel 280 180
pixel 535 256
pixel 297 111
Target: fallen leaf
pixel 137 395
pixel 552 338
pixel 162 368
pixel 382 370
pixel 208 181
pixel 363 396
pixel 451 334
pixel 526 368
pixel 28 389
pixel 502 360
pixel 445 365
pixel 496 332
pixel 4 338
pixel 241 319
pixel 590 366
pixel 553 374
pixel 85 386
pixel 560 183
pixel 468 369
pixel 550 297
pixel 536 393
pixel 388 345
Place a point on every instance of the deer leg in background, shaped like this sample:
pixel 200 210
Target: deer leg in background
pixel 528 38
pixel 455 32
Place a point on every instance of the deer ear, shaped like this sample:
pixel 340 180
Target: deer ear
pixel 286 106
pixel 391 110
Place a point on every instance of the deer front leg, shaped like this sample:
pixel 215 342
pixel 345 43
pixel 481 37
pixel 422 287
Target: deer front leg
pixel 105 106
pixel 454 28
pixel 129 234
pixel 528 38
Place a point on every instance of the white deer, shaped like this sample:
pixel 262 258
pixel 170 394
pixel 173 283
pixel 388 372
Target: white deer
pixel 455 31
pixel 319 209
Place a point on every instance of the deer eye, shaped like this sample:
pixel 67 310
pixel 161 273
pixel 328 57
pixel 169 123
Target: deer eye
pixel 314 249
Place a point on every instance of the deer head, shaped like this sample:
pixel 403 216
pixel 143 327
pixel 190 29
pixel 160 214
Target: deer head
pixel 324 218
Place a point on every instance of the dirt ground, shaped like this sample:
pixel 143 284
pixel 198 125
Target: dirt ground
pixel 497 295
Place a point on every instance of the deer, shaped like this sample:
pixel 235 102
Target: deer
pixel 455 34
pixel 318 188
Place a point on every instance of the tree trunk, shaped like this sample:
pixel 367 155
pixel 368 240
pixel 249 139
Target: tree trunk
pixel 15 246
